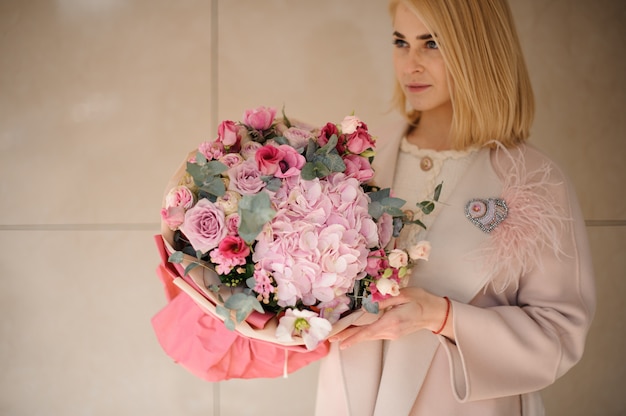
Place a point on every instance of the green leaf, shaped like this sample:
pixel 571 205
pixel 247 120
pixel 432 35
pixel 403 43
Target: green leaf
pixel 426 206
pixel 438 191
pixel 254 211
pixel 243 304
pixel 281 140
pixel 333 162
pixel 190 267
pixel 285 119
pixel 214 186
pixel 329 146
pixel 200 158
pixel 176 257
pixel 369 305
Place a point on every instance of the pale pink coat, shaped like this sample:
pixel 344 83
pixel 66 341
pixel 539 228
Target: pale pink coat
pixel 509 344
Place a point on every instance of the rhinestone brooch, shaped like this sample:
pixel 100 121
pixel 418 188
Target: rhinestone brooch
pixel 486 214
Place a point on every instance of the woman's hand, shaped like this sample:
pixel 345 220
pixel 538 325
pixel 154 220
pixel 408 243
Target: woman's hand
pixel 413 309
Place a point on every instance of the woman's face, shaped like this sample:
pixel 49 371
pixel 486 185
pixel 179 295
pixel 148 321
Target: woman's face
pixel 418 64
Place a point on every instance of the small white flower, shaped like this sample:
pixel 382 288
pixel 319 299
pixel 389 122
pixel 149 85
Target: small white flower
pixel 398 258
pixel 420 251
pixel 304 323
pixel 388 287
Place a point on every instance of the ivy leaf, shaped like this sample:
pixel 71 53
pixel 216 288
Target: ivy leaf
pixel 254 211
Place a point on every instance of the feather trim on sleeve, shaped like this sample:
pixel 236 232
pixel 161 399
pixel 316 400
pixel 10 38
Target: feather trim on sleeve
pixel 534 223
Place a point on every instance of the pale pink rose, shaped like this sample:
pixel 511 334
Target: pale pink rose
pixel 420 251
pixel 245 178
pixel 385 229
pixel 249 149
pixel 376 262
pixel 179 196
pixel 173 217
pixel 231 159
pixel 259 118
pixel 304 323
pixel 228 133
pixel 210 150
pixel 398 258
pixel 229 202
pixel 358 167
pixel 388 287
pixel 349 124
pixel 232 223
pixel 204 226
pixel 298 138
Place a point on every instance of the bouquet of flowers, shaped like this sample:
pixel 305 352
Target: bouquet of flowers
pixel 277 224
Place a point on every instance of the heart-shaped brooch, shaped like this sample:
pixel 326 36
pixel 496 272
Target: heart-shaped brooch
pixel 486 214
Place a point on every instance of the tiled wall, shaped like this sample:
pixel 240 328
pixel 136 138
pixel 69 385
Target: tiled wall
pixel 101 99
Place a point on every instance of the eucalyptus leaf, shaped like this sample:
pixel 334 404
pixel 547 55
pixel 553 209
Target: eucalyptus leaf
pixel 190 267
pixel 254 211
pixel 281 140
pixel 370 306
pixel 438 191
pixel 330 146
pixel 214 186
pixel 176 257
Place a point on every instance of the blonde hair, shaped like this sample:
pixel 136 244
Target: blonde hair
pixel 490 87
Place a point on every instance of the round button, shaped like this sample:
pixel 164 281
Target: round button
pixel 426 164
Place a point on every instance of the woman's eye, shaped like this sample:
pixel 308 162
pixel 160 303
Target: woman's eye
pixel 399 43
pixel 431 44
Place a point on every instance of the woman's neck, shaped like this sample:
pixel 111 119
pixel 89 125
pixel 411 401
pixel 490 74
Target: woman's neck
pixel 432 131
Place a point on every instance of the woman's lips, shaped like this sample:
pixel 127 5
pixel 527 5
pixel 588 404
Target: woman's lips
pixel 415 88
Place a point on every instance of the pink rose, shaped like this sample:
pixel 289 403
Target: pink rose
pixel 326 132
pixel 204 226
pixel 179 196
pixel 298 138
pixel 360 140
pixel 173 217
pixel 228 134
pixel 350 124
pixel 232 223
pixel 260 118
pixel 358 167
pixel 210 150
pixel 231 159
pixel 376 262
pixel 385 229
pixel 245 178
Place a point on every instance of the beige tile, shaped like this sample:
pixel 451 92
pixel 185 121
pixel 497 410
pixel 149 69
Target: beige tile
pixel 321 60
pixel 75 333
pixel 575 52
pixel 596 384
pixel 100 101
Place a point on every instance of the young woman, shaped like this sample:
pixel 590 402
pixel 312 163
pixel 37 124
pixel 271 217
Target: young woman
pixel 503 306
